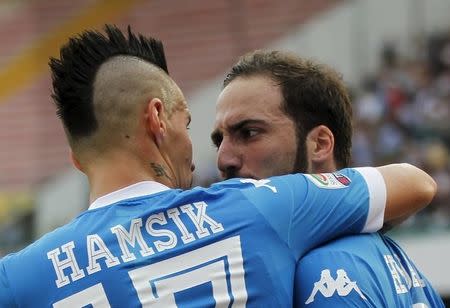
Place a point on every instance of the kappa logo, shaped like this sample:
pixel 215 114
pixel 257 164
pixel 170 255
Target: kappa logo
pixel 260 183
pixel 329 180
pixel 327 286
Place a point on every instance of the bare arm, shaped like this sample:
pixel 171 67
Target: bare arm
pixel 408 190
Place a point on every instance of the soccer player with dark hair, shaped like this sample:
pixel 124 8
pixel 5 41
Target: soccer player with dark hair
pixel 278 114
pixel 143 241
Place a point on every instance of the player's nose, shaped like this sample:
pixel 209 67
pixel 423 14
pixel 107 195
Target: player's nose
pixel 229 160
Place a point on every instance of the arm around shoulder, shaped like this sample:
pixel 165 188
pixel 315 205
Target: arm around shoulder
pixel 408 190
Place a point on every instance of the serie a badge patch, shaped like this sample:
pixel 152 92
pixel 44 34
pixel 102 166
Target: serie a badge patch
pixel 329 180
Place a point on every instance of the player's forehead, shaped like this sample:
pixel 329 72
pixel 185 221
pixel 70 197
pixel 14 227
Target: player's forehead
pixel 255 97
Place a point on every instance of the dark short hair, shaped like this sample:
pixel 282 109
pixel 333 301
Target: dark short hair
pixel 313 93
pixel 74 73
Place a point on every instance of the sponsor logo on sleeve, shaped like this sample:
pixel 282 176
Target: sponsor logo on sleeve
pixel 329 180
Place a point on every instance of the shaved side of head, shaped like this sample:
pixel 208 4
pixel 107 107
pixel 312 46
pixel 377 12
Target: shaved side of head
pixel 122 87
pixel 100 80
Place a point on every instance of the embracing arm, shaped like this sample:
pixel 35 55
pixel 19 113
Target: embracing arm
pixel 408 190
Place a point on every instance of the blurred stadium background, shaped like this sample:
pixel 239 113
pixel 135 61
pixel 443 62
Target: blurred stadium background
pixel 394 56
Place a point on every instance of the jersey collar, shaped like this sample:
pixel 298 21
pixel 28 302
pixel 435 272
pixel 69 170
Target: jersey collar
pixel 132 191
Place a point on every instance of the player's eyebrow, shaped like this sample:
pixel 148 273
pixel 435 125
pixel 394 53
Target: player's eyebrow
pixel 216 135
pixel 239 125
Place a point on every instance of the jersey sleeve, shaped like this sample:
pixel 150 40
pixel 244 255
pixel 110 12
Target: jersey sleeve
pixel 6 298
pixel 308 210
pixel 377 198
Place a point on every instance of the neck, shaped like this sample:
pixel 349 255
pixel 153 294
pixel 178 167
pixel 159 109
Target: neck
pixel 323 167
pixel 118 170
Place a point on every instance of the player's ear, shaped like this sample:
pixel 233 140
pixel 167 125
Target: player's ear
pixel 75 161
pixel 155 121
pixel 320 146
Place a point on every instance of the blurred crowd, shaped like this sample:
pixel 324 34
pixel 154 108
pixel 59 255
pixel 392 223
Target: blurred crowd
pixel 402 114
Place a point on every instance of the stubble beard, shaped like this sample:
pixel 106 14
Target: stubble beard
pixel 301 157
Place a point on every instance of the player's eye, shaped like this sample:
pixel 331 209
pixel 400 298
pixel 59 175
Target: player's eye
pixel 188 125
pixel 216 140
pixel 248 132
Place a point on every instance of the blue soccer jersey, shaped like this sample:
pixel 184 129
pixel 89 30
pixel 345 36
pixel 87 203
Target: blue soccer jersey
pixel 367 270
pixel 234 244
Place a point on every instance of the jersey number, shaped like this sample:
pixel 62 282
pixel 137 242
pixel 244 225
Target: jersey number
pixel 219 264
